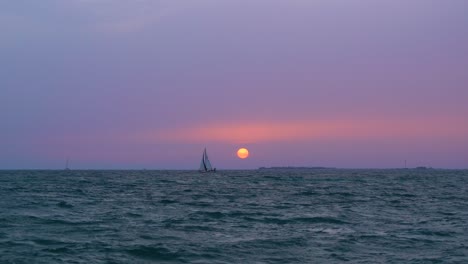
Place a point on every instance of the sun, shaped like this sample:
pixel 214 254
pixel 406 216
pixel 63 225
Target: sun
pixel 243 153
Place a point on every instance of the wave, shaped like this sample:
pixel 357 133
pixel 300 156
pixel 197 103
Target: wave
pixel 298 220
pixel 155 253
pixel 64 204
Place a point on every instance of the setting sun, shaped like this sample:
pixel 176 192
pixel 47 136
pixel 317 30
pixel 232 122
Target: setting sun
pixel 242 153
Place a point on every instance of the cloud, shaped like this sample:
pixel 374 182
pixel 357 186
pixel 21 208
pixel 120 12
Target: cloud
pixel 127 25
pixel 124 16
pixel 101 16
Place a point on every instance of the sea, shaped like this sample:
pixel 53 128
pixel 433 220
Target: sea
pixel 249 216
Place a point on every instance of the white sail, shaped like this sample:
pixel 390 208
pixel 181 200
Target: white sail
pixel 202 163
pixel 207 162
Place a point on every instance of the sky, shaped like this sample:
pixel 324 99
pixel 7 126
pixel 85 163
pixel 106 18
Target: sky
pixel 131 84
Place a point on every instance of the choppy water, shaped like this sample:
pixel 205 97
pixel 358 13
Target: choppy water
pixel 314 216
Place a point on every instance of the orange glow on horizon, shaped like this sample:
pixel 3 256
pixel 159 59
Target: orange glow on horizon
pixel 243 133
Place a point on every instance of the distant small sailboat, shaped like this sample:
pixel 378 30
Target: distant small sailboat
pixel 205 164
pixel 66 164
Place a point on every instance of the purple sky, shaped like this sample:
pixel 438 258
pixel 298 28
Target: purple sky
pixel 149 84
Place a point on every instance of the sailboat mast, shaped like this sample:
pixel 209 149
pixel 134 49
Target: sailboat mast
pixel 203 158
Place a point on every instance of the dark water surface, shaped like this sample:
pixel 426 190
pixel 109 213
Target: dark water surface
pixel 303 216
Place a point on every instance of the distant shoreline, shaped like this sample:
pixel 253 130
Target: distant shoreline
pixel 295 168
pixel 334 168
pixel 232 169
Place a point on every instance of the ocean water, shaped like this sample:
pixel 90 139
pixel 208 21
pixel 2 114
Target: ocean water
pixel 257 216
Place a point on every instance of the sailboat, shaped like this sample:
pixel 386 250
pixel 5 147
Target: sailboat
pixel 66 164
pixel 205 164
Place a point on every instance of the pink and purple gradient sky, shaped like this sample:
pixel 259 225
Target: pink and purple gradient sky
pixel 149 83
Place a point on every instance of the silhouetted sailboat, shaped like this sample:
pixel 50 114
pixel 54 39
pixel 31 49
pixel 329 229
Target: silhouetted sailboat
pixel 66 164
pixel 205 164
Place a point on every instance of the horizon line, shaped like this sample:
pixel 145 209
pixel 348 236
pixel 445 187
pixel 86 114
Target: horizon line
pixel 234 169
